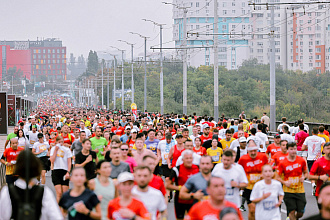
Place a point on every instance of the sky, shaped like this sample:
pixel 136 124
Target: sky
pixel 85 25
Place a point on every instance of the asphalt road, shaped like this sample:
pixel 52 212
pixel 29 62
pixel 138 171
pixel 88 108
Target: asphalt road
pixel 311 207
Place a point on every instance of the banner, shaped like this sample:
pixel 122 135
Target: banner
pixel 134 109
pixel 18 107
pixel 11 100
pixel 3 114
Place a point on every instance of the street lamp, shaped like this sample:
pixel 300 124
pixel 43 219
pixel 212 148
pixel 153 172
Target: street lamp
pixel 122 77
pixel 145 68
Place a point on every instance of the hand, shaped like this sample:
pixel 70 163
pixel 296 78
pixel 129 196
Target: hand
pixel 234 184
pixel 302 179
pixel 66 145
pixel 287 183
pixel 126 213
pixel 67 176
pixel 324 178
pixel 102 152
pixel 169 166
pixel 278 204
pixel 266 195
pixel 9 164
pixel 100 197
pixel 56 148
pixel 81 208
pixel 198 195
pixel 89 158
pixel 96 150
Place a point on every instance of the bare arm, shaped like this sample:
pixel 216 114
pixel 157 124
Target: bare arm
pixel 304 147
pixel 169 185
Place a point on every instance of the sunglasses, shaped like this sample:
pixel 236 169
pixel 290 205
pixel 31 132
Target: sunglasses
pixel 124 149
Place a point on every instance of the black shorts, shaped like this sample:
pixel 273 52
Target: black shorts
pixel 310 164
pixel 181 208
pixel 157 170
pixel 295 202
pixel 57 177
pixel 165 170
pixel 246 195
pixel 45 162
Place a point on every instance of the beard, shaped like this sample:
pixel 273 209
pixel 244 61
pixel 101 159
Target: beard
pixel 143 186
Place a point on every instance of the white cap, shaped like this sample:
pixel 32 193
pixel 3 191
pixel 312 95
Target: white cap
pixel 205 126
pixel 150 123
pixel 125 176
pixel 192 121
pixel 242 139
pixel 127 127
pixel 134 130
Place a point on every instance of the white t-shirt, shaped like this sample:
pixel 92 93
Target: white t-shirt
pixel 314 147
pixel 234 173
pixel 222 133
pixel 196 160
pixel 165 148
pixel 265 209
pixel 192 137
pixel 256 140
pixel 263 137
pixel 23 142
pixel 61 160
pixel 281 125
pixel 288 137
pixel 33 137
pixel 153 200
pixel 41 147
pixel 234 146
pixel 87 131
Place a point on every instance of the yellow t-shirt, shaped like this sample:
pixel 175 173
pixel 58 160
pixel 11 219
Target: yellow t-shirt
pixel 324 136
pixel 215 154
pixel 226 144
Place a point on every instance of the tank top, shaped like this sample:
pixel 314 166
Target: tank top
pixel 107 193
pixel 176 155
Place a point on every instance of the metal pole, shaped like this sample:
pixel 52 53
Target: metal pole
pixel 216 65
pixel 272 74
pixel 12 84
pixel 145 74
pixel 122 81
pixel 161 72
pixel 114 84
pixel 184 45
pixel 108 89
pixel 102 101
pixel 132 74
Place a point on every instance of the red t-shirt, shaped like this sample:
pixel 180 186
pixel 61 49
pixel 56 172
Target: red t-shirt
pixel 176 155
pixel 203 138
pixel 292 171
pixel 51 141
pixel 52 130
pixel 278 157
pixel 204 210
pixel 68 139
pixel 158 183
pixel 118 131
pixel 246 135
pixel 130 143
pixel 135 206
pixel 201 151
pixel 273 149
pixel 253 167
pixel 11 155
pixel 300 138
pixel 320 167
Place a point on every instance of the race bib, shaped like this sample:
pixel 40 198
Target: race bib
pixel 254 177
pixel 294 182
pixel 229 191
pixel 215 158
pixel 165 156
pixel 268 205
pixel 42 148
pixel 60 153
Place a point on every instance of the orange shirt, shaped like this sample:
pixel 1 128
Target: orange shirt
pixel 201 151
pixel 204 210
pixel 203 138
pixel 292 171
pixel 272 149
pixel 130 143
pixel 278 157
pixel 246 135
pixel 135 206
pixel 252 167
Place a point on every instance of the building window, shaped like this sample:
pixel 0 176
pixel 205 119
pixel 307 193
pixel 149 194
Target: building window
pixel 197 4
pixel 224 27
pixel 63 51
pixel 224 12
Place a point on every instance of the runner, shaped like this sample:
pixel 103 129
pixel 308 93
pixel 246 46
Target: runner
pixel 126 156
pixel 256 140
pixel 77 144
pixel 215 152
pixel 252 164
pixel 140 151
pixel 274 147
pixel 60 157
pixel 286 136
pixel 117 166
pixel 22 139
pixel 156 181
pixel 320 170
pixel 175 152
pixel 33 136
pixel 226 142
pixel 125 136
pixel 116 129
pixel 300 138
pixel 125 206
pixel 41 150
pixel 324 203
pixel 8 158
pixel 195 187
pixel 179 176
pixel 268 196
pixel 67 137
pixel 99 143
pixel 143 192
pixel 87 159
pixel 263 137
pixel 281 155
pixel 207 135
pixel 188 145
pixel 212 207
pixel 292 172
pixel 234 177
pixel 198 149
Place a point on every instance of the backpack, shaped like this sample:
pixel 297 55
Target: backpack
pixel 20 207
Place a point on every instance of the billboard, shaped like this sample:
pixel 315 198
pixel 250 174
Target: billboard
pixel 11 100
pixel 18 108
pixel 3 114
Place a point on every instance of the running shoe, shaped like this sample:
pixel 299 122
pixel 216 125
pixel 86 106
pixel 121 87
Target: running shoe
pixel 242 208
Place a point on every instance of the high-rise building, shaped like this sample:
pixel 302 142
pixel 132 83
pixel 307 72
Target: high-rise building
pixel 233 24
pixel 41 59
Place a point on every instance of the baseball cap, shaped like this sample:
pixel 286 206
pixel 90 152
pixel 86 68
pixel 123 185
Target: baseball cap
pixel 125 176
pixel 277 136
pixel 133 131
pixel 127 128
pixel 192 121
pixel 242 139
pixel 205 126
pixel 40 135
pixel 158 124
pixel 149 123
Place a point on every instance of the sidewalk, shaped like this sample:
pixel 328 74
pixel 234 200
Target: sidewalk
pixel 2 149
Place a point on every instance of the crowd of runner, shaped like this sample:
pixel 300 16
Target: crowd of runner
pixel 126 166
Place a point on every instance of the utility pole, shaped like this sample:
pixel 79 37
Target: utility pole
pixel 108 87
pixel 145 69
pixel 272 72
pixel 216 65
pixel 114 83
pixel 102 102
pixel 184 45
pixel 122 81
pixel 132 65
pixel 161 77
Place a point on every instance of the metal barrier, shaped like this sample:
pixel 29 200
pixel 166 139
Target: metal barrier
pixel 2 175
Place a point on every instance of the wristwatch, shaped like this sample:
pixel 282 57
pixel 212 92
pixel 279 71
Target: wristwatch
pixel 134 217
pixel 191 195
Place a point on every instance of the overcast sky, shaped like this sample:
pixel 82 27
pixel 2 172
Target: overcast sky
pixel 85 25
